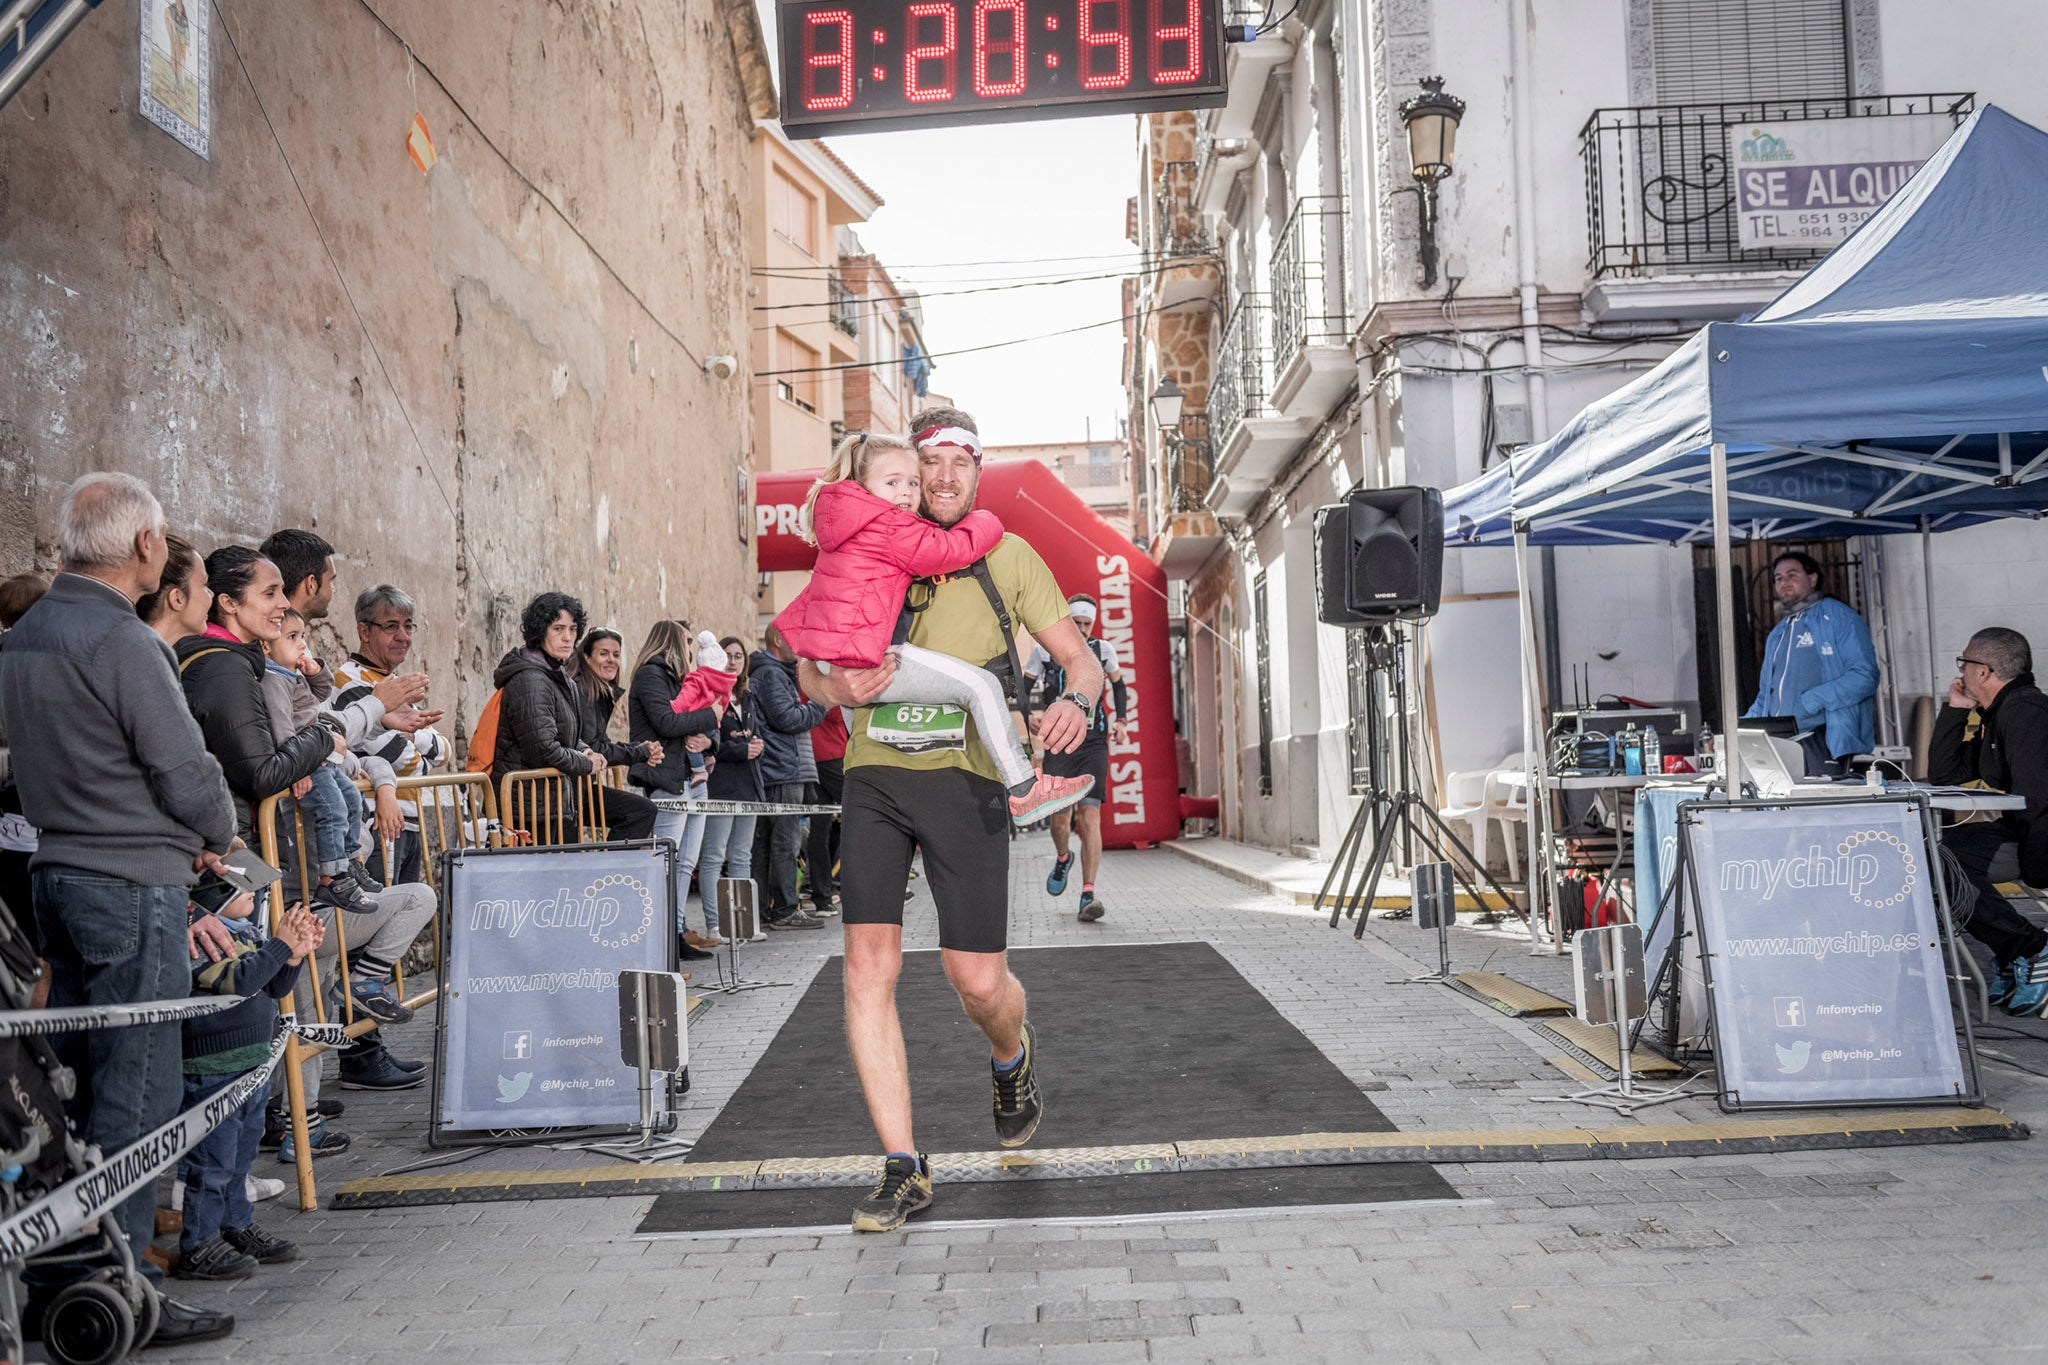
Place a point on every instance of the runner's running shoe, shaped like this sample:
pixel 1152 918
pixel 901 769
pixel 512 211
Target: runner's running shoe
pixel 904 1190
pixel 1047 796
pixel 1091 908
pixel 1019 1103
pixel 1056 880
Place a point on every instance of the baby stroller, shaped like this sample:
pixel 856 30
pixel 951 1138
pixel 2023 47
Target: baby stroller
pixel 110 1309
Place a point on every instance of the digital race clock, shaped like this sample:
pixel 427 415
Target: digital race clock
pixel 849 65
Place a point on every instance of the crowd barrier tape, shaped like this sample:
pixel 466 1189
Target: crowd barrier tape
pixel 690 807
pixel 66 1211
pixel 73 1018
pixel 455 810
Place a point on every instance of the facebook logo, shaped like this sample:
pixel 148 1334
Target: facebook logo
pixel 1791 1011
pixel 519 1046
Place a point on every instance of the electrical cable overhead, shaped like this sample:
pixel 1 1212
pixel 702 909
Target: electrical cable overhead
pixel 376 353
pixel 955 293
pixel 575 228
pixel 965 350
pixel 967 265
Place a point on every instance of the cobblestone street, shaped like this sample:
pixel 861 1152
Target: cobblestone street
pixel 1893 1253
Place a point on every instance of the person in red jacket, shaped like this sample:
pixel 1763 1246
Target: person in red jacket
pixel 862 516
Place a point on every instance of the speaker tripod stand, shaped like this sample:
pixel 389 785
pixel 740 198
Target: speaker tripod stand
pixel 1391 813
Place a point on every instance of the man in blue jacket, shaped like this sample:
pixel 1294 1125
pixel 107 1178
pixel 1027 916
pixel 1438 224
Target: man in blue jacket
pixel 1818 668
pixel 790 773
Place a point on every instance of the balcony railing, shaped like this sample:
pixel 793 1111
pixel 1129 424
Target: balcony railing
pixel 1239 388
pixel 845 305
pixel 1308 277
pixel 1660 194
pixel 1190 463
pixel 1177 227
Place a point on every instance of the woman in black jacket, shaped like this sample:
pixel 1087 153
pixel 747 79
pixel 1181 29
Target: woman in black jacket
pixel 686 737
pixel 222 671
pixel 594 669
pixel 540 719
pixel 728 848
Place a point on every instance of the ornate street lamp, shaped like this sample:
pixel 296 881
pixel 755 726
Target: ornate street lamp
pixel 1166 404
pixel 1432 122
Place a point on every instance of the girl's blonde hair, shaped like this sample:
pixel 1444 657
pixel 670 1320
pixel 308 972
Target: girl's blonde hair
pixel 850 460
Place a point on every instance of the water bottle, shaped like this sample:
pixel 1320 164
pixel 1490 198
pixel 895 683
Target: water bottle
pixel 1707 752
pixel 1632 751
pixel 1653 751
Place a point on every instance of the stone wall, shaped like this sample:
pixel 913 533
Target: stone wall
pixel 483 382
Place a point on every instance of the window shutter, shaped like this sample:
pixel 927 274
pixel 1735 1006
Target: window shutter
pixel 1714 51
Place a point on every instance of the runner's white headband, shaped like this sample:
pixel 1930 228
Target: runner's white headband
pixel 950 436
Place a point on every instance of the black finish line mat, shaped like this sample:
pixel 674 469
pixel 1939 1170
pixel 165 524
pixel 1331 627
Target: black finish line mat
pixel 1105 1197
pixel 1137 1043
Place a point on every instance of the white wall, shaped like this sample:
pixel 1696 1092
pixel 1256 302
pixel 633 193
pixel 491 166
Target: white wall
pixel 1994 47
pixel 1991 575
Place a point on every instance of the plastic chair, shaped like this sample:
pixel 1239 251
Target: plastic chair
pixel 1471 796
pixel 1507 800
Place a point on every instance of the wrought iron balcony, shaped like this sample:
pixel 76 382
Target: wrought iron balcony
pixel 845 304
pixel 1238 390
pixel 1190 464
pixel 1308 277
pixel 1177 227
pixel 1660 196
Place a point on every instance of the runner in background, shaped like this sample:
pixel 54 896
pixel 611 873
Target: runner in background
pixel 1090 760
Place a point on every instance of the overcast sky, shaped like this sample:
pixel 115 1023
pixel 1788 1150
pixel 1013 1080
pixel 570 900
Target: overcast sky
pixel 1015 192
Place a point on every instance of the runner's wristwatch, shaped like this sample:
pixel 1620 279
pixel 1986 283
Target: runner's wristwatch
pixel 1086 706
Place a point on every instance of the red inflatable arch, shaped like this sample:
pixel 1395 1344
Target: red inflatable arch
pixel 1087 555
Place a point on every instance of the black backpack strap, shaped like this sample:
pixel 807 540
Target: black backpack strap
pixel 908 614
pixel 1020 689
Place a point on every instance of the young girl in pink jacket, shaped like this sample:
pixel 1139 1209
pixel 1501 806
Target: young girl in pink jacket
pixel 863 518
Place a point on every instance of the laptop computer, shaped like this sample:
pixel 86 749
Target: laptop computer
pixel 1776 765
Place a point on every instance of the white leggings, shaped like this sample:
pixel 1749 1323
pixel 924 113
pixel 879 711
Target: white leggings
pixel 925 675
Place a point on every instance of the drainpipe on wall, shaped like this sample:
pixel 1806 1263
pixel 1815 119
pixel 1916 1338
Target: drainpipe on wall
pixel 1520 20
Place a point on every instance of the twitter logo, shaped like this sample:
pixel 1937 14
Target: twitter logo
pixel 1791 1060
pixel 511 1090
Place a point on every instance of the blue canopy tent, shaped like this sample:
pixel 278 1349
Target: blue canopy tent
pixel 1901 385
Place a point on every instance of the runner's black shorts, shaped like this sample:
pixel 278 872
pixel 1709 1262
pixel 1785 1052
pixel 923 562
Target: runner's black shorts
pixel 1090 760
pixel 959 819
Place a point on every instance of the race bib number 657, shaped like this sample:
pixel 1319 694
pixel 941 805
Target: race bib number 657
pixel 918 727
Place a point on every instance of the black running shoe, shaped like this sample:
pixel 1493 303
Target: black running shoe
pixel 1056 880
pixel 904 1190
pixel 1019 1104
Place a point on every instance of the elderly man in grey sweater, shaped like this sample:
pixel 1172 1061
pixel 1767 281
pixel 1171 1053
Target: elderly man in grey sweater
pixel 131 807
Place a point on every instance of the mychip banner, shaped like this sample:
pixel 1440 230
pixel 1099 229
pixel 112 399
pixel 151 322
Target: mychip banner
pixel 1809 183
pixel 530 1009
pixel 1827 969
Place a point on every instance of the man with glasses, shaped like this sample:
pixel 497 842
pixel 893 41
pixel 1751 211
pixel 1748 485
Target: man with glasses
pixel 2009 751
pixel 384 636
pixel 1819 668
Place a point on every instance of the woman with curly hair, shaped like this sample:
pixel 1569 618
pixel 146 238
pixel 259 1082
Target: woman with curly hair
pixel 540 717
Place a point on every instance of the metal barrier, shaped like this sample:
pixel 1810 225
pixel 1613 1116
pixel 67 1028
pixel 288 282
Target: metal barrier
pixel 533 805
pixel 468 820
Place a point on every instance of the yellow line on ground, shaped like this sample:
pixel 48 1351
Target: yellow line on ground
pixel 711 1175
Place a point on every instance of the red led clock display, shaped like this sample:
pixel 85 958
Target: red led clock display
pixel 849 65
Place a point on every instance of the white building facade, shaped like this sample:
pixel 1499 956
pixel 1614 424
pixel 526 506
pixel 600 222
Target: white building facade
pixel 1584 230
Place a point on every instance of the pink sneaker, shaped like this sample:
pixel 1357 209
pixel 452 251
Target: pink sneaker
pixel 1048 796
